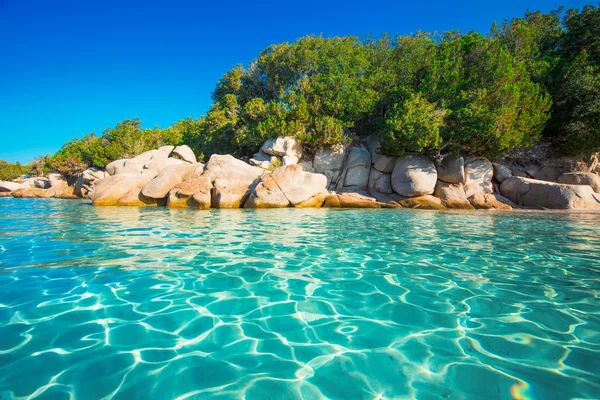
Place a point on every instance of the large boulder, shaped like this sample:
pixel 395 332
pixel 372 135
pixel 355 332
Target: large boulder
pixel 541 194
pixel 229 168
pixel 452 195
pixel 478 176
pixel 354 200
pixel 7 187
pixel 380 182
pixel 113 166
pixel 58 182
pixel 29 192
pixel 147 156
pixel 491 201
pixel 159 187
pixel 230 194
pixel 283 146
pixel 88 180
pixel 358 168
pixel 167 149
pixel 159 161
pixel 298 185
pixel 267 194
pixel 501 172
pixel 451 169
pixel 329 162
pixel 193 193
pixel 581 178
pixel 184 153
pixel 426 202
pixel 315 201
pixel 130 166
pixel 414 175
pixel 110 190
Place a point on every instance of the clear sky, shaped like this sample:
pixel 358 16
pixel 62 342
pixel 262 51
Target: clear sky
pixel 68 68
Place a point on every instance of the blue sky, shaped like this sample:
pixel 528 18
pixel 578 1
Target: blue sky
pixel 68 68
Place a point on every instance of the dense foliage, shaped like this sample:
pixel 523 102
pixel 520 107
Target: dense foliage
pixel 10 171
pixel 126 140
pixel 533 77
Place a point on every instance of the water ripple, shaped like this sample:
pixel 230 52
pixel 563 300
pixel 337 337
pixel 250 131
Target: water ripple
pixel 297 303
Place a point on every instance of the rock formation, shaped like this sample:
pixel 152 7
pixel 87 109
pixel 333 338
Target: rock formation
pixel 355 175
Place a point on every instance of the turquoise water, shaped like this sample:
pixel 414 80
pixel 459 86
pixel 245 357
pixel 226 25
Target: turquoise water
pixel 280 304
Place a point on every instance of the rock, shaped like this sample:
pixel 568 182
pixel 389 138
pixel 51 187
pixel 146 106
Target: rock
pixel 229 168
pixel 380 182
pixel 478 176
pixel 414 175
pixel 193 193
pixel 541 194
pixel 130 166
pixel 290 160
pixel 356 200
pixel 451 169
pixel 532 170
pixel 88 180
pixel 29 192
pixel 7 187
pixel 491 201
pixel 332 201
pixel 110 190
pixel 159 187
pixel 167 149
pixel 452 195
pixel 548 173
pixel 358 168
pixel 581 178
pixel 41 183
pixel 68 193
pixel 146 156
pixel 283 146
pixel 501 172
pixel 159 161
pixel 314 202
pixel 111 167
pixel 58 182
pixel 329 161
pixel 385 197
pixel 380 162
pixel 385 164
pixel 267 194
pixel 134 198
pixel 307 166
pixel 426 202
pixel 184 153
pixel 28 182
pixel 230 194
pixel 298 185
pixel 263 160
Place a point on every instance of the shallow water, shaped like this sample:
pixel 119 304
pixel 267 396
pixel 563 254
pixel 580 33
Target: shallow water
pixel 292 303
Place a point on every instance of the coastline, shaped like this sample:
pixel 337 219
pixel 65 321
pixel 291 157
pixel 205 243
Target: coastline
pixel 356 175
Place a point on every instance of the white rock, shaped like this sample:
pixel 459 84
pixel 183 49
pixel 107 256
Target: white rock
pixel 184 153
pixel 414 175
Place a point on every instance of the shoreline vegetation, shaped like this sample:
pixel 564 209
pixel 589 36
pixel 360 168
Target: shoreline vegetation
pixel 510 119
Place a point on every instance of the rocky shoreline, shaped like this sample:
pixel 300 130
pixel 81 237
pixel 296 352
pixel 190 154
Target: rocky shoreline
pixel 281 175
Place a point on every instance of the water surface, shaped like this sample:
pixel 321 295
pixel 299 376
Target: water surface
pixel 279 304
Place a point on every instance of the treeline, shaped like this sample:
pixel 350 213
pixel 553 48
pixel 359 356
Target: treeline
pixel 10 171
pixel 533 77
